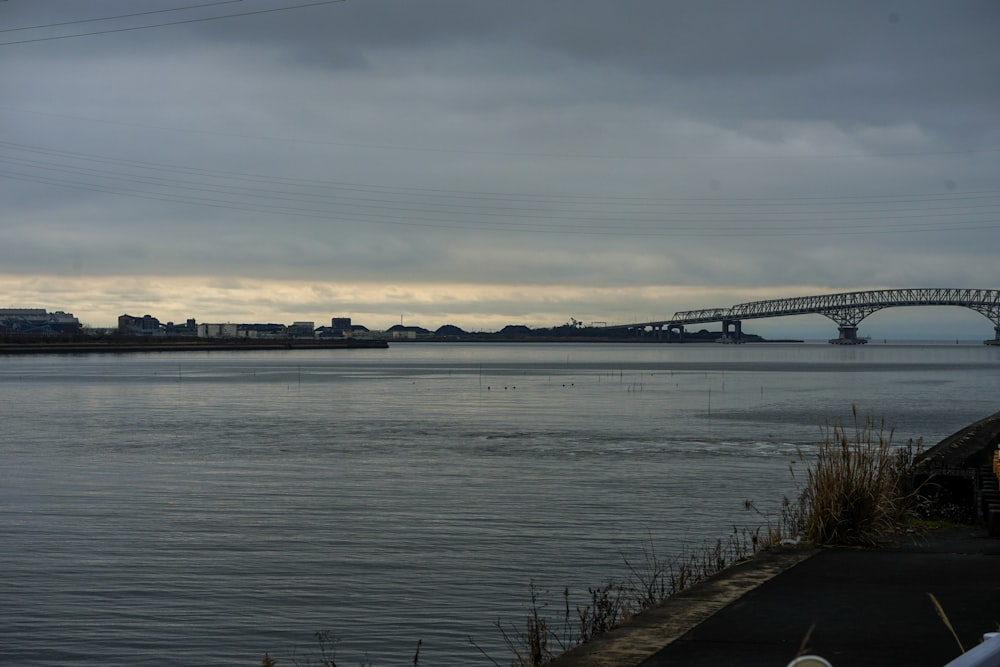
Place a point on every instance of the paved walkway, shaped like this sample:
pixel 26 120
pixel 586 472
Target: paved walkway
pixel 854 607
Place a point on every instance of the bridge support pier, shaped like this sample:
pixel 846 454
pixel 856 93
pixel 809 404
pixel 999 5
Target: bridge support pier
pixel 736 336
pixel 996 337
pixel 676 329
pixel 848 336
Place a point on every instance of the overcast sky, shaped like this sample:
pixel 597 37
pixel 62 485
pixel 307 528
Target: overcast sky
pixel 482 163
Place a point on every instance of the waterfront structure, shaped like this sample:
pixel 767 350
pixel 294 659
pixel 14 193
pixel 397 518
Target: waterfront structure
pixel 147 325
pixel 847 309
pixel 252 331
pixel 207 330
pixel 261 331
pixel 37 322
pixel 340 327
pixel 302 330
pixel 189 328
pixel 401 332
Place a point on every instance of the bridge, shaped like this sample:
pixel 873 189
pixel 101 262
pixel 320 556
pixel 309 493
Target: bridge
pixel 847 309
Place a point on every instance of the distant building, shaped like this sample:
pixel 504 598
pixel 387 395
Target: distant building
pixel 302 330
pixel 37 322
pixel 261 331
pixel 254 331
pixel 189 328
pixel 217 330
pixel 147 325
pixel 400 332
pixel 340 327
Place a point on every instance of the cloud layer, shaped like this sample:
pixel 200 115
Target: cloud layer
pixel 482 163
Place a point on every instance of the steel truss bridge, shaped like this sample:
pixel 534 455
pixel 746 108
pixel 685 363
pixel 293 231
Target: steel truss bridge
pixel 847 309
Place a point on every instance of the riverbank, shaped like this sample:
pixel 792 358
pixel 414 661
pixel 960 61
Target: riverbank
pixel 855 607
pixel 919 597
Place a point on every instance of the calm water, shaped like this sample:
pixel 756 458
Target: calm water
pixel 203 508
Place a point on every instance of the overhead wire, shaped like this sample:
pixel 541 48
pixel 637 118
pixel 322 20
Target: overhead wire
pixel 508 212
pixel 200 19
pixel 507 196
pixel 578 217
pixel 533 227
pixel 656 157
pixel 119 16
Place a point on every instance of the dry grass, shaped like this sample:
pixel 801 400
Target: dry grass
pixel 650 580
pixel 540 640
pixel 857 488
pixel 947 622
pixel 325 655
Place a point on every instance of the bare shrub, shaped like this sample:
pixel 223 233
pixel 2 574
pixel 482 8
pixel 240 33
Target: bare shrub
pixel 539 641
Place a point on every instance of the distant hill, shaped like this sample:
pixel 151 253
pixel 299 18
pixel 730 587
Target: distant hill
pixel 449 330
pixel 399 328
pixel 514 331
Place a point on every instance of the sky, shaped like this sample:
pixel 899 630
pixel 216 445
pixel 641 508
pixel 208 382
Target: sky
pixel 482 163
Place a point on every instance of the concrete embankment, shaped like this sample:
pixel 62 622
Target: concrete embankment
pixel 648 633
pixel 853 607
pixel 963 470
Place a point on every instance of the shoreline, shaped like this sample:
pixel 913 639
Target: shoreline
pixel 122 347
pixel 145 345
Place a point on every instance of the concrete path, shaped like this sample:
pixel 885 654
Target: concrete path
pixel 854 607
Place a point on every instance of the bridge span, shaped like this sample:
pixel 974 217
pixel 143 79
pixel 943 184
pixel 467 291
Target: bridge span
pixel 847 309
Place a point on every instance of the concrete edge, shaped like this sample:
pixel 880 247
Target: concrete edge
pixel 633 642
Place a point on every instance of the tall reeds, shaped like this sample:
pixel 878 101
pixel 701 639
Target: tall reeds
pixel 857 487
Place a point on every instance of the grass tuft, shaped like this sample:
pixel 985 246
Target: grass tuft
pixel 857 488
pixel 947 622
pixel 649 581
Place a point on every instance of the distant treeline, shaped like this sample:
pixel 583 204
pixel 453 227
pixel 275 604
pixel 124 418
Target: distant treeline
pixel 564 333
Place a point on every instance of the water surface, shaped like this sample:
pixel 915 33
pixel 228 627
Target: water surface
pixel 203 508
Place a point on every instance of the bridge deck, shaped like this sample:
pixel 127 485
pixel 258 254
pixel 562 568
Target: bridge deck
pixel 847 309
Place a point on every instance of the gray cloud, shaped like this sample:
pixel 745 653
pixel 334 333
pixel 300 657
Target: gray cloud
pixel 632 145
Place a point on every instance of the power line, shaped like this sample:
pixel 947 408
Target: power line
pixel 478 195
pixel 591 212
pixel 120 16
pixel 554 156
pixel 172 23
pixel 412 208
pixel 410 221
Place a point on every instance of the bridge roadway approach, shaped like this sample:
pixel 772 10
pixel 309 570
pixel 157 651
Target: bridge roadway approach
pixel 847 309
